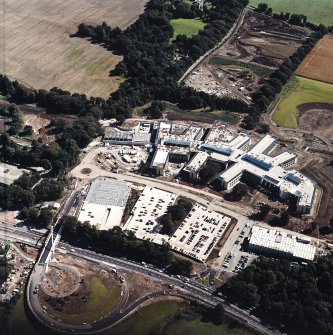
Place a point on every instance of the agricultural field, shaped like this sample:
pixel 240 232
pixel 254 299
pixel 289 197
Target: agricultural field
pixel 39 52
pixel 308 104
pixel 316 11
pixel 188 27
pixel 242 64
pixel 318 64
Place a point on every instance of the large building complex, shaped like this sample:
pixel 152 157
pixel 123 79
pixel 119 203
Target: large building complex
pixel 105 203
pixel 190 147
pixel 281 244
pixel 139 135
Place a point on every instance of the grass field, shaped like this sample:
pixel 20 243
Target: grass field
pixel 102 301
pixel 147 320
pixel 40 53
pixel 299 91
pixel 320 11
pixel 188 27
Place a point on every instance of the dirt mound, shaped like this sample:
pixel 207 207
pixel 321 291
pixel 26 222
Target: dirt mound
pixel 316 117
pixel 86 171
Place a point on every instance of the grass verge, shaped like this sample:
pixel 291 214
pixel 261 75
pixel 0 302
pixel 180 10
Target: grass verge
pixel 297 92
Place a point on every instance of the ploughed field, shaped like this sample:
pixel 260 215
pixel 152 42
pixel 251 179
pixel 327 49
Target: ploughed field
pixel 318 64
pixel 38 51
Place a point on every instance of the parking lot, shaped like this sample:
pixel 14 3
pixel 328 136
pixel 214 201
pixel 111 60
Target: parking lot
pixel 237 259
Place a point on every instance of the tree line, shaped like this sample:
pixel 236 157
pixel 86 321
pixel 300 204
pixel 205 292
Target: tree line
pixel 117 242
pixel 263 97
pixel 149 61
pixel 296 296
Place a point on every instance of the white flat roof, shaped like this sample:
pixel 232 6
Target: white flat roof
pixel 197 161
pixel 283 157
pixel 263 145
pixel 160 157
pixel 270 239
pixel 9 173
pixel 239 141
pixel 101 216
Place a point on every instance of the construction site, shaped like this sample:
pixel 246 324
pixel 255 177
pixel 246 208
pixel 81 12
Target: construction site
pixel 241 65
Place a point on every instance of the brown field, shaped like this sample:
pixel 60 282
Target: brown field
pixel 264 40
pixel 39 52
pixel 316 116
pixel 318 64
pixel 242 64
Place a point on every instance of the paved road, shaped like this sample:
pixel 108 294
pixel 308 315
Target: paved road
pixel 183 287
pixel 212 201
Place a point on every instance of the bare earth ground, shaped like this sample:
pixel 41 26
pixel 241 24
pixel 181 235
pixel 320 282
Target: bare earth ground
pixel 318 64
pixel 240 66
pixel 39 51
pixel 323 176
pixel 316 116
pixel 264 40
pixel 140 286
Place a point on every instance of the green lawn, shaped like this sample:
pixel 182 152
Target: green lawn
pixel 188 27
pixel 319 11
pixel 147 320
pixel 299 91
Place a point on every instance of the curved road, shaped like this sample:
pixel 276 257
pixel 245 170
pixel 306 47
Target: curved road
pixel 190 290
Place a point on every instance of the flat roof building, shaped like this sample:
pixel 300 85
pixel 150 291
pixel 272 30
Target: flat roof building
pixel 280 244
pixel 105 203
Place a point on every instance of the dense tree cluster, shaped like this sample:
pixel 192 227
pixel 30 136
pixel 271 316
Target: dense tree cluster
pixel 16 119
pixel 149 63
pixel 219 19
pixel 59 155
pixel 175 214
pixel 299 297
pixel 20 194
pixel 39 217
pixel 154 111
pixel 118 242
